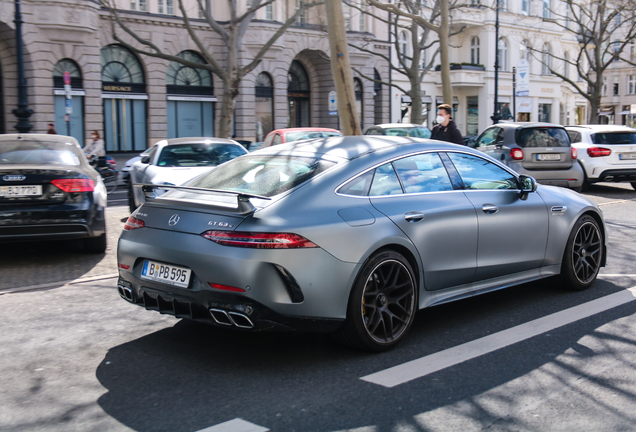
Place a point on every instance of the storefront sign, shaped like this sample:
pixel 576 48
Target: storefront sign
pixel 112 88
pixel 524 105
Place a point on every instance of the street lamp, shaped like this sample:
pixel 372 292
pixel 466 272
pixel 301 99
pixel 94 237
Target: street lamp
pixel 22 112
pixel 496 116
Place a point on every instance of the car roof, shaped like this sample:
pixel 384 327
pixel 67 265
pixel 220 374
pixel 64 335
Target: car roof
pixel 352 147
pixel 196 140
pixel 399 125
pixel 305 129
pixel 527 124
pixel 37 137
pixel 602 128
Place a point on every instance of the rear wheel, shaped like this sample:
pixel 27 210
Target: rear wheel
pixel 583 254
pixel 382 304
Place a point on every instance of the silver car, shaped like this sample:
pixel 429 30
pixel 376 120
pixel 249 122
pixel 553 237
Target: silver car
pixel 351 235
pixel 177 160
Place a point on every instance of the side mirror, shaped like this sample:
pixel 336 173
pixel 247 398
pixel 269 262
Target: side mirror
pixel 528 185
pixel 145 159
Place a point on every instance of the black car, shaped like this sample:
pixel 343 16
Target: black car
pixel 48 191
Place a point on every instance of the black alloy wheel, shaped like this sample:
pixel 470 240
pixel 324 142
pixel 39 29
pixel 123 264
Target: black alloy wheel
pixel 583 254
pixel 382 305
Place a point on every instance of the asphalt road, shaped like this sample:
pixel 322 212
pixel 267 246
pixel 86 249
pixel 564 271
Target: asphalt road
pixel 76 357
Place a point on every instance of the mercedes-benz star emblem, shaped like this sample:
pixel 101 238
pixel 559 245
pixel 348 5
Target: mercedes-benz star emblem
pixel 174 219
pixel 18 177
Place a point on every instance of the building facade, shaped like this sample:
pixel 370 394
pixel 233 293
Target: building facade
pixel 618 101
pixel 527 30
pixel 135 100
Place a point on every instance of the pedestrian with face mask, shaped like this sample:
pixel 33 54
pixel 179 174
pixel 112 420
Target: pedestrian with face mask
pixel 446 129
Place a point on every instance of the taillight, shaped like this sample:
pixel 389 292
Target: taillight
pixel 123 266
pixel 516 154
pixel 225 287
pixel 598 152
pixel 74 185
pixel 574 153
pixel 259 240
pixel 133 223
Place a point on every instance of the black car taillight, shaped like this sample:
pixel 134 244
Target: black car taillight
pixel 74 185
pixel 133 223
pixel 598 152
pixel 259 240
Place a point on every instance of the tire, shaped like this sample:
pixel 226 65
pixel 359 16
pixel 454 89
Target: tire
pixel 583 254
pixel 95 244
pixel 382 304
pixel 633 184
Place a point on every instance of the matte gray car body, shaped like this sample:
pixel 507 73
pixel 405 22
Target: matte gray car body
pixel 458 241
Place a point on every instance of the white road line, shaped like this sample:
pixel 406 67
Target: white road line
pixel 58 284
pixel 616 275
pixel 236 425
pixel 441 360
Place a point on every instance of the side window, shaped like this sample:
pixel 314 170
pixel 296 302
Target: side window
pixel 487 137
pixel 277 139
pixel 574 136
pixel 152 152
pixel 500 136
pixel 423 173
pixel 359 186
pixel 478 173
pixel 374 131
pixel 385 182
pixel 268 141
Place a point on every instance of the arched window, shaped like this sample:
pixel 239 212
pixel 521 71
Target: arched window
pixel 73 124
pixel 357 85
pixel 503 54
pixel 190 95
pixel 474 50
pixel 524 50
pixel 124 97
pixel 264 113
pixel 546 59
pixel 298 95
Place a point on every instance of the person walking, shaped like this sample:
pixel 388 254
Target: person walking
pixel 51 130
pixel 446 129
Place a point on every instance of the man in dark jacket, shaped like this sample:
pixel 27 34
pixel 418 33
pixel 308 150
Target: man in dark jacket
pixel 446 129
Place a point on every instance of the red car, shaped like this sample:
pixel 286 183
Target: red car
pixel 280 136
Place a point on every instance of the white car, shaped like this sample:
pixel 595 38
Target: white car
pixel 607 153
pixel 175 161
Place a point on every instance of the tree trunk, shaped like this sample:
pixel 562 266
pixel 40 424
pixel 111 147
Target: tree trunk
pixel 227 110
pixel 416 102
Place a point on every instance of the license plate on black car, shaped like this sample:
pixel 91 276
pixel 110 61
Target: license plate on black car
pixel 166 273
pixel 21 191
pixel 549 157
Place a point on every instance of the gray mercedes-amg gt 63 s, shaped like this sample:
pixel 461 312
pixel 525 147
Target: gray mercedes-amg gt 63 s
pixel 351 235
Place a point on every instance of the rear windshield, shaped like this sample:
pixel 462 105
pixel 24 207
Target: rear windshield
pixel 262 175
pixel 39 153
pixel 542 137
pixel 295 136
pixel 417 132
pixel 198 155
pixel 614 138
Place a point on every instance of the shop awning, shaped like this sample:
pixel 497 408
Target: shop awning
pixel 626 112
pixel 606 113
pixel 425 99
pixel 440 100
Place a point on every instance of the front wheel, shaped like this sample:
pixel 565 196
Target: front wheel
pixel 382 304
pixel 583 254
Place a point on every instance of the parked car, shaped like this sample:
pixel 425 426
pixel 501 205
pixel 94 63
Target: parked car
pixel 281 136
pixel 541 150
pixel 125 171
pixel 399 129
pixel 607 153
pixel 352 236
pixel 48 191
pixel 177 160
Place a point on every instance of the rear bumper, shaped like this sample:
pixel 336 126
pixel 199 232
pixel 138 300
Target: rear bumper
pixel 570 178
pixel 615 175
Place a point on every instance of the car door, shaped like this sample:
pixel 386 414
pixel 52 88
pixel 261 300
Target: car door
pixel 491 142
pixel 513 230
pixel 440 221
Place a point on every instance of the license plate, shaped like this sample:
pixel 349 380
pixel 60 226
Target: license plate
pixel 21 191
pixel 549 157
pixel 627 156
pixel 166 273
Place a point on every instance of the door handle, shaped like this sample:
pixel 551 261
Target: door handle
pixel 490 208
pixel 413 216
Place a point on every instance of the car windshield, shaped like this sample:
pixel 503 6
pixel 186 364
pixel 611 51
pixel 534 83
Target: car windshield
pixel 198 155
pixel 262 175
pixel 543 137
pixel 614 138
pixel 295 136
pixel 39 153
pixel 417 132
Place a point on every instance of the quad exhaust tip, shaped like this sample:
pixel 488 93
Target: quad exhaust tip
pixel 125 293
pixel 231 319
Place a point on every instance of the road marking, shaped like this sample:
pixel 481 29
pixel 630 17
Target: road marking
pixel 616 275
pixel 236 425
pixel 423 366
pixel 57 284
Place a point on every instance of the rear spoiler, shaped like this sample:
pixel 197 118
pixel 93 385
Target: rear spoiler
pixel 244 206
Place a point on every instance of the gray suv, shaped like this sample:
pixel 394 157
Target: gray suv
pixel 540 150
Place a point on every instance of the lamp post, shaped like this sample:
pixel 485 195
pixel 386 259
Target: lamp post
pixel 496 116
pixel 22 112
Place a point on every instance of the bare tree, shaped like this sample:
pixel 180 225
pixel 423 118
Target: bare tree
pixel 603 29
pixel 234 67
